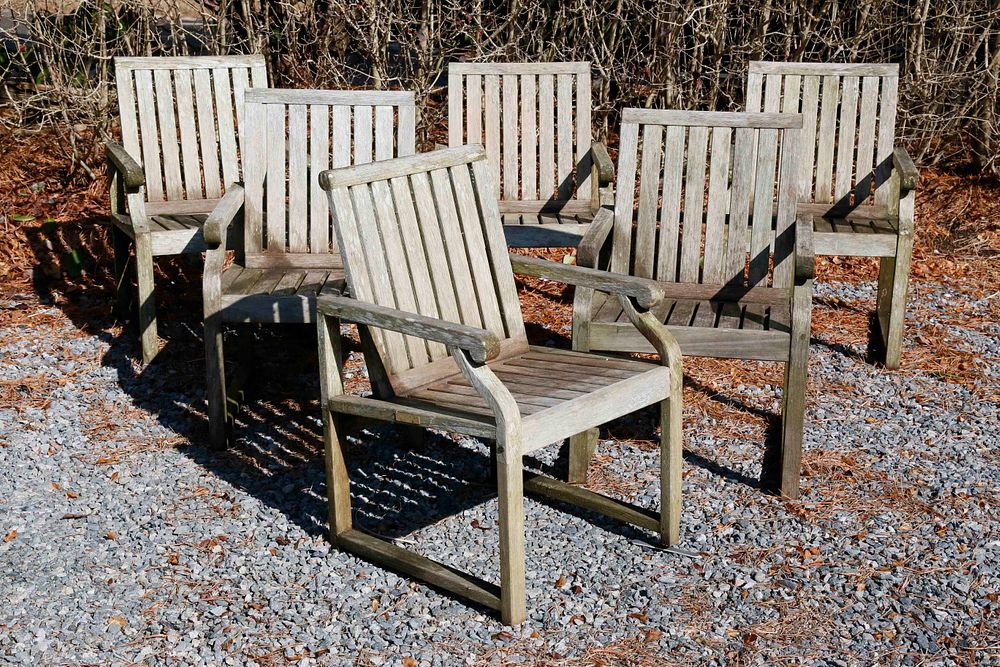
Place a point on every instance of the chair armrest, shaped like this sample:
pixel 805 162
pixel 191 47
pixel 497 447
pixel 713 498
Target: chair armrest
pixel 908 174
pixel 589 250
pixel 605 167
pixel 805 254
pixel 481 344
pixel 119 159
pixel 223 214
pixel 646 292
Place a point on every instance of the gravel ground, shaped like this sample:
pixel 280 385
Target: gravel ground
pixel 123 540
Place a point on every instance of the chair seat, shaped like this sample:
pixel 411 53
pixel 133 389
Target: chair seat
pixel 540 230
pixel 558 392
pixel 277 295
pixel 703 328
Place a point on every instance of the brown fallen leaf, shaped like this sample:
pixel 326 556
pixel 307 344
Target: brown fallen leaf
pixel 282 540
pixel 173 559
pixel 503 636
pixel 72 495
pixel 653 634
pixel 119 621
pixel 561 581
pixel 409 662
pixel 10 536
pixel 111 535
pixel 642 618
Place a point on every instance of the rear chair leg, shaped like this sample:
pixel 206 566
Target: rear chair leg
pixel 792 422
pixel 894 278
pixel 120 243
pixel 215 369
pixel 147 303
pixel 338 486
pixel 581 450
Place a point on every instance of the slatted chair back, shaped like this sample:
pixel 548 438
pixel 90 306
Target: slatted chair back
pixel 849 122
pixel 534 120
pixel 706 183
pixel 299 134
pixel 182 120
pixel 423 235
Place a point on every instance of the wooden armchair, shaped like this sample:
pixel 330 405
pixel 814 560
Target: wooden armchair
pixel 287 251
pixel 858 185
pixel 736 287
pixel 440 320
pixel 534 120
pixel 182 137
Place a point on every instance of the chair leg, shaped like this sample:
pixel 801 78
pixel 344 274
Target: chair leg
pixel 581 450
pixel 511 495
pixel 215 369
pixel 147 303
pixel 120 243
pixel 671 458
pixel 893 281
pixel 338 485
pixel 793 406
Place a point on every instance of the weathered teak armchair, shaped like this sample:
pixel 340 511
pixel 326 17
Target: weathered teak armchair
pixel 290 254
pixel 534 120
pixel 735 286
pixel 436 304
pixel 182 137
pixel 857 183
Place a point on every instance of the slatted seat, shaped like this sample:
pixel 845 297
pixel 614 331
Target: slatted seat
pixel 534 120
pixel 717 226
pixel 856 183
pixel 288 253
pixel 446 347
pixel 182 137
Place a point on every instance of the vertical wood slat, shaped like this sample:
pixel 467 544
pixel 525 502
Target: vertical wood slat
pixel 694 201
pixel 298 179
pixel 388 234
pixel 319 160
pixel 227 133
pixel 340 148
pixel 584 134
pixel 384 139
pixel 474 109
pixel 407 130
pixel 207 134
pixel 763 198
pixel 363 138
pixel 149 134
pixel 496 249
pixel 621 249
pixel 787 196
pixel 886 138
pixel 673 174
pixel 846 139
pixel 456 124
pixel 649 182
pixel 790 87
pixel 430 232
pixel 455 250
pixel 546 137
pixel 420 274
pixel 529 138
pixel 276 221
pixel 169 148
pixel 475 246
pixel 188 135
pixel 827 138
pixel 511 141
pixel 739 206
pixel 492 126
pixel 127 111
pixel 718 206
pixel 564 148
pixel 254 171
pixel 807 142
pixel 864 168
pixel 241 82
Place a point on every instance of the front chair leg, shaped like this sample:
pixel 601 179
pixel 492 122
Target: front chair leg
pixel 510 488
pixel 216 382
pixel 581 450
pixel 671 459
pixel 147 304
pixel 894 278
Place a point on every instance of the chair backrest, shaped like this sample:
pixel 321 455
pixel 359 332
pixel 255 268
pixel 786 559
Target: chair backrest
pixel 534 120
pixel 182 120
pixel 423 234
pixel 707 183
pixel 849 122
pixel 297 135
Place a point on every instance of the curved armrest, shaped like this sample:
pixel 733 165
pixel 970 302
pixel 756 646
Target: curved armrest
pixel 481 344
pixel 119 159
pixel 646 292
pixel 908 174
pixel 228 208
pixel 805 265
pixel 589 250
pixel 605 167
